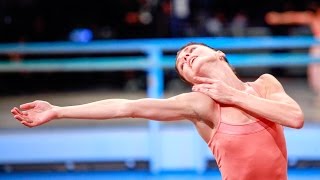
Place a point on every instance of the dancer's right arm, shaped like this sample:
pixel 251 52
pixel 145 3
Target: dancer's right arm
pixel 163 109
pixel 175 108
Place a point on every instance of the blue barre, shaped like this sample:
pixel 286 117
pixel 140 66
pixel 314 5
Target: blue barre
pixel 163 44
pixel 142 63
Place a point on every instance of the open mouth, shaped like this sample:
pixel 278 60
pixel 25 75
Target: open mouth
pixel 192 59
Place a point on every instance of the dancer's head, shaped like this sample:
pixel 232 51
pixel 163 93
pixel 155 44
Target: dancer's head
pixel 198 59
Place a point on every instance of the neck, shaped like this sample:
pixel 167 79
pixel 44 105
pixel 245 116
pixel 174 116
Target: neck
pixel 229 78
pixel 223 73
pixel 235 82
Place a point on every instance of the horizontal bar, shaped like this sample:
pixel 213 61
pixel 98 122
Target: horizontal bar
pixel 144 45
pixel 76 64
pixel 142 63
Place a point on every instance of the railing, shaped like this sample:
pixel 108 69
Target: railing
pixel 162 148
pixel 153 50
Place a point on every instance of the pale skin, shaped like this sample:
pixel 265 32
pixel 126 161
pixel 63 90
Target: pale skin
pixel 308 18
pixel 239 102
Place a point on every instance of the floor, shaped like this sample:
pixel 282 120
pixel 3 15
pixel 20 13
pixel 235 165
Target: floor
pixel 294 174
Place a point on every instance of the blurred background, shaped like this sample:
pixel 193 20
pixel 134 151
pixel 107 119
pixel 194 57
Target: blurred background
pixel 75 52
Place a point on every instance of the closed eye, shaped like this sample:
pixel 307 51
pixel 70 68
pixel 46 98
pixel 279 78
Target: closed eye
pixel 180 63
pixel 192 49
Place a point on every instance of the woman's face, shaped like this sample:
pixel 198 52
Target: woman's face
pixel 192 58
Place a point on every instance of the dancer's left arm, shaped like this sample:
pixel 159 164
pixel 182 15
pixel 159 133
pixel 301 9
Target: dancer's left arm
pixel 276 105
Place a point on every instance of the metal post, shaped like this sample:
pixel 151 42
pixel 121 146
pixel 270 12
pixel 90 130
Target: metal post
pixel 155 90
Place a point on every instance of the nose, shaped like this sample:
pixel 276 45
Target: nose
pixel 186 57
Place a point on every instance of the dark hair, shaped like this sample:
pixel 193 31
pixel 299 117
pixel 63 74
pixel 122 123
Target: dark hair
pixel 195 43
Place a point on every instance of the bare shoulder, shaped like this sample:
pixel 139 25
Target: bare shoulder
pixel 267 77
pixel 269 83
pixel 270 80
pixel 201 104
pixel 195 99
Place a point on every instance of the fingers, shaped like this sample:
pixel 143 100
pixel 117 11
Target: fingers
pixel 202 87
pixel 22 118
pixel 19 118
pixel 20 115
pixel 204 80
pixel 16 111
pixel 27 124
pixel 201 80
pixel 205 91
pixel 28 106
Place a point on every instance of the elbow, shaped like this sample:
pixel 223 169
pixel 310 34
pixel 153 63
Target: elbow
pixel 298 121
pixel 125 110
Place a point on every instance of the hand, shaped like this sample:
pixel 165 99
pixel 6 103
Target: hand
pixel 217 90
pixel 34 113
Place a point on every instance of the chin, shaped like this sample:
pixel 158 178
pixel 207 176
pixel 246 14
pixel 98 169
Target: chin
pixel 202 70
pixel 197 67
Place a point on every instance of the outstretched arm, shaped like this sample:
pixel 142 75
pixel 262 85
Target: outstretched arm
pixel 290 17
pixel 175 108
pixel 276 106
